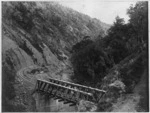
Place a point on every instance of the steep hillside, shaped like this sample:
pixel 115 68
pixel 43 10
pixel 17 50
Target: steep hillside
pixel 117 63
pixel 41 30
pixel 39 34
pixel 126 85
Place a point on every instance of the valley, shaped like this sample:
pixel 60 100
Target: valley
pixel 45 39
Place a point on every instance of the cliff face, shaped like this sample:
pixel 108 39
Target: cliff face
pixel 41 34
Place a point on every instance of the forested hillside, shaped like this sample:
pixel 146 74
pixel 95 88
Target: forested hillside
pixel 41 34
pixel 116 62
pixel 46 39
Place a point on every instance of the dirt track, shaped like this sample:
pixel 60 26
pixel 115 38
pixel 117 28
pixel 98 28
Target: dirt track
pixel 137 101
pixel 29 82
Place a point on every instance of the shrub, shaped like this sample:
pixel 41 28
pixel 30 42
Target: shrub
pixel 8 91
pixel 90 62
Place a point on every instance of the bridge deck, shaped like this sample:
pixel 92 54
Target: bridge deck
pixel 66 91
pixel 90 94
pixel 74 84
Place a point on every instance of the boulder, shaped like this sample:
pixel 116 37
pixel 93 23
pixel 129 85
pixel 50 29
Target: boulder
pixel 118 86
pixel 86 106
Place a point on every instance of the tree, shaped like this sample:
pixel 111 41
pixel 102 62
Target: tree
pixel 123 39
pixel 139 20
pixel 115 41
pixel 81 45
pixel 90 62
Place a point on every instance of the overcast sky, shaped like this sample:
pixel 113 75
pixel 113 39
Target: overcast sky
pixel 106 11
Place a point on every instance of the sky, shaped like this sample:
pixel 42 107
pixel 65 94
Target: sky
pixel 106 11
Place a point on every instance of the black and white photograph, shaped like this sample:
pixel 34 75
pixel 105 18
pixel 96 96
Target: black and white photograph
pixel 75 56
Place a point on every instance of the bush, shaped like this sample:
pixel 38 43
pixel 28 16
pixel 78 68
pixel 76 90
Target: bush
pixel 8 91
pixel 131 75
pixel 90 62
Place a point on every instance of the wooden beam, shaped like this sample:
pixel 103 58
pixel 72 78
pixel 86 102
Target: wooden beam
pixel 61 100
pixel 40 83
pixel 57 85
pixel 66 102
pixel 64 92
pixel 51 96
pixel 55 98
pixel 73 104
pixel 48 87
pixel 74 84
pixel 44 86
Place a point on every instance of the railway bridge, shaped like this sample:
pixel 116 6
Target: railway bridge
pixel 67 91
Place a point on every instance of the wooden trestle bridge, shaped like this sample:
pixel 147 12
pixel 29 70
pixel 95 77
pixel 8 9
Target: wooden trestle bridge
pixel 68 92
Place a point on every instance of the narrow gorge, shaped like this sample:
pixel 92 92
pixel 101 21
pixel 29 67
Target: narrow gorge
pixel 46 39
